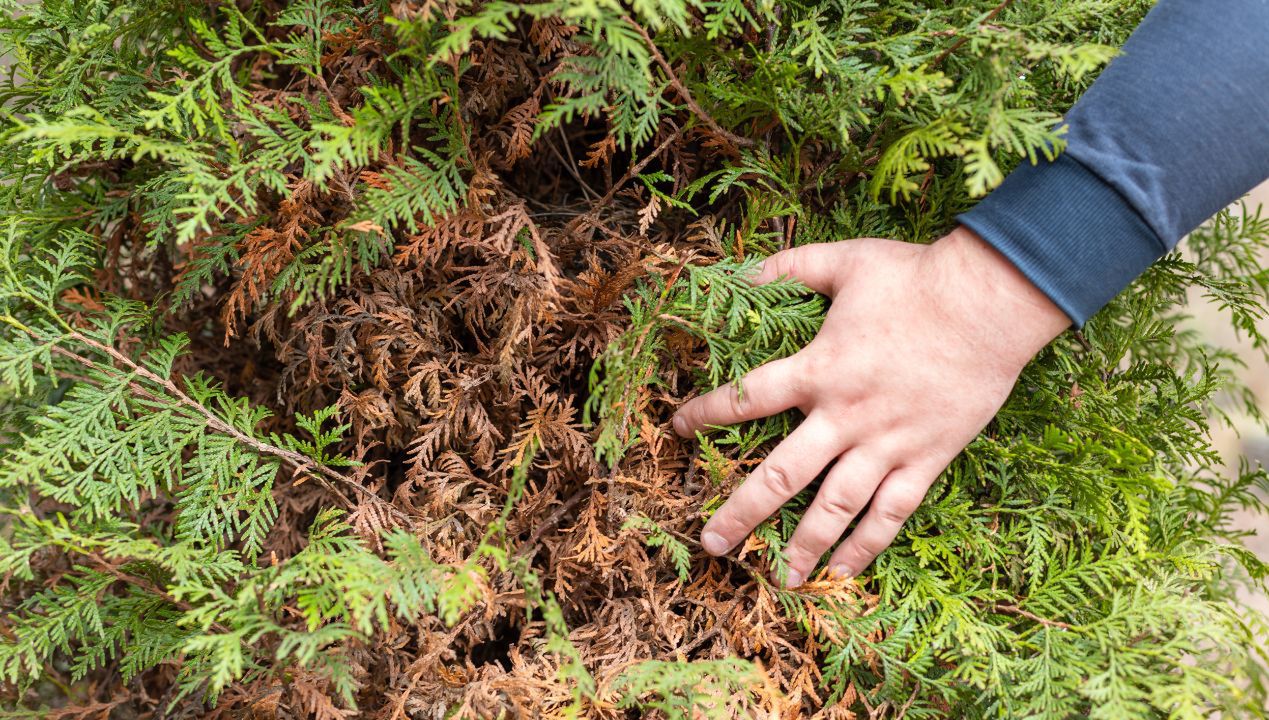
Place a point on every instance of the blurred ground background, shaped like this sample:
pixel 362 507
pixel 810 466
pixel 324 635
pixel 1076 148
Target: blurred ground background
pixel 1245 438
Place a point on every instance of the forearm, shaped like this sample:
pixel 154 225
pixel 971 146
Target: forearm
pixel 1175 129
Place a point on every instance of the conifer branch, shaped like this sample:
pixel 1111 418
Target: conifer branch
pixel 602 204
pixel 991 15
pixel 530 543
pixel 144 584
pixel 732 139
pixel 270 160
pixel 1011 609
pixel 298 462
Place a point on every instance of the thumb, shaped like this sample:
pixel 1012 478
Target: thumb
pixel 820 266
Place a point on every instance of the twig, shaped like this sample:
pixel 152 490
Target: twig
pixel 1008 609
pixel 571 166
pixel 903 711
pixel 62 373
pixel 774 26
pixel 300 463
pixel 1079 335
pixel 637 168
pixel 553 519
pixel 723 619
pixel 700 640
pixel 682 90
pixel 965 38
pixel 146 585
pixel 689 477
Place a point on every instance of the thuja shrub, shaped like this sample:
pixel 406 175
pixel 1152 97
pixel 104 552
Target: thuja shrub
pixel 341 339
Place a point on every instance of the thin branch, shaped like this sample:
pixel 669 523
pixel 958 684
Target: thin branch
pixel 903 711
pixel 299 462
pixel 1008 609
pixel 683 92
pixel 965 38
pixel 636 169
pixel 723 619
pixel 558 514
pixel 571 166
pixel 1084 343
pixel 145 585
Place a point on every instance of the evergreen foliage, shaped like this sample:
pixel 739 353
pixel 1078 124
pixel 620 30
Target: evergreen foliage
pixel 341 339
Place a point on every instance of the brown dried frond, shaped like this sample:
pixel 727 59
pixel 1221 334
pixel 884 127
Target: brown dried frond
pixel 467 352
pixel 267 250
pixel 551 35
pixel 517 138
pixel 600 153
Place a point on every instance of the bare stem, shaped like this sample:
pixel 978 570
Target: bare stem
pixel 1008 609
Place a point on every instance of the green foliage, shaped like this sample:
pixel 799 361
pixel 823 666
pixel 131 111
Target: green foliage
pixel 741 325
pixel 657 537
pixel 1078 560
pixel 714 689
pixel 342 590
pixel 128 435
pixel 1074 560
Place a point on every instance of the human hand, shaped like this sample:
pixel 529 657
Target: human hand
pixel 921 346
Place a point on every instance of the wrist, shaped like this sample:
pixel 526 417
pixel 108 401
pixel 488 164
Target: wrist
pixel 992 300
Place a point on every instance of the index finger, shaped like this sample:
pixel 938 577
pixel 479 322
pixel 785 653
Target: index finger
pixel 771 388
pixel 817 266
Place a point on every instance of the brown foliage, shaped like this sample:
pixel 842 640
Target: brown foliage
pixel 465 350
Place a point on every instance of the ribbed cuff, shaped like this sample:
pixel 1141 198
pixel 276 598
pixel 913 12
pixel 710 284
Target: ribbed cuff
pixel 1069 232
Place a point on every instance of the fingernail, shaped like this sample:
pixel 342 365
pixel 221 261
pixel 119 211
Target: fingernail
pixel 714 543
pixel 842 572
pixel 793 578
pixel 680 426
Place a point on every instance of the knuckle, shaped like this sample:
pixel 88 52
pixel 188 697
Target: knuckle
pixel 690 409
pixel 869 550
pixel 799 554
pixel 791 267
pixel 779 479
pixel 738 400
pixel 798 385
pixel 893 513
pixel 896 446
pixel 781 264
pixel 897 509
pixel 818 365
pixel 724 522
pixel 691 414
pixel 839 506
pixel 805 558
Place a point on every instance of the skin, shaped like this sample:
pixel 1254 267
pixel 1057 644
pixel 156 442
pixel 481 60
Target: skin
pixel 920 348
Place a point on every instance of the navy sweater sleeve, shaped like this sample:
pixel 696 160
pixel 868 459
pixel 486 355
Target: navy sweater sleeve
pixel 1176 128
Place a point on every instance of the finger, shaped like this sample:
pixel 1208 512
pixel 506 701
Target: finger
pixel 817 266
pixel 845 492
pixel 769 389
pixel 896 499
pixel 790 467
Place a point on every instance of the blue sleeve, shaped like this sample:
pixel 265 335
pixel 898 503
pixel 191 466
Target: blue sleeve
pixel 1176 128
